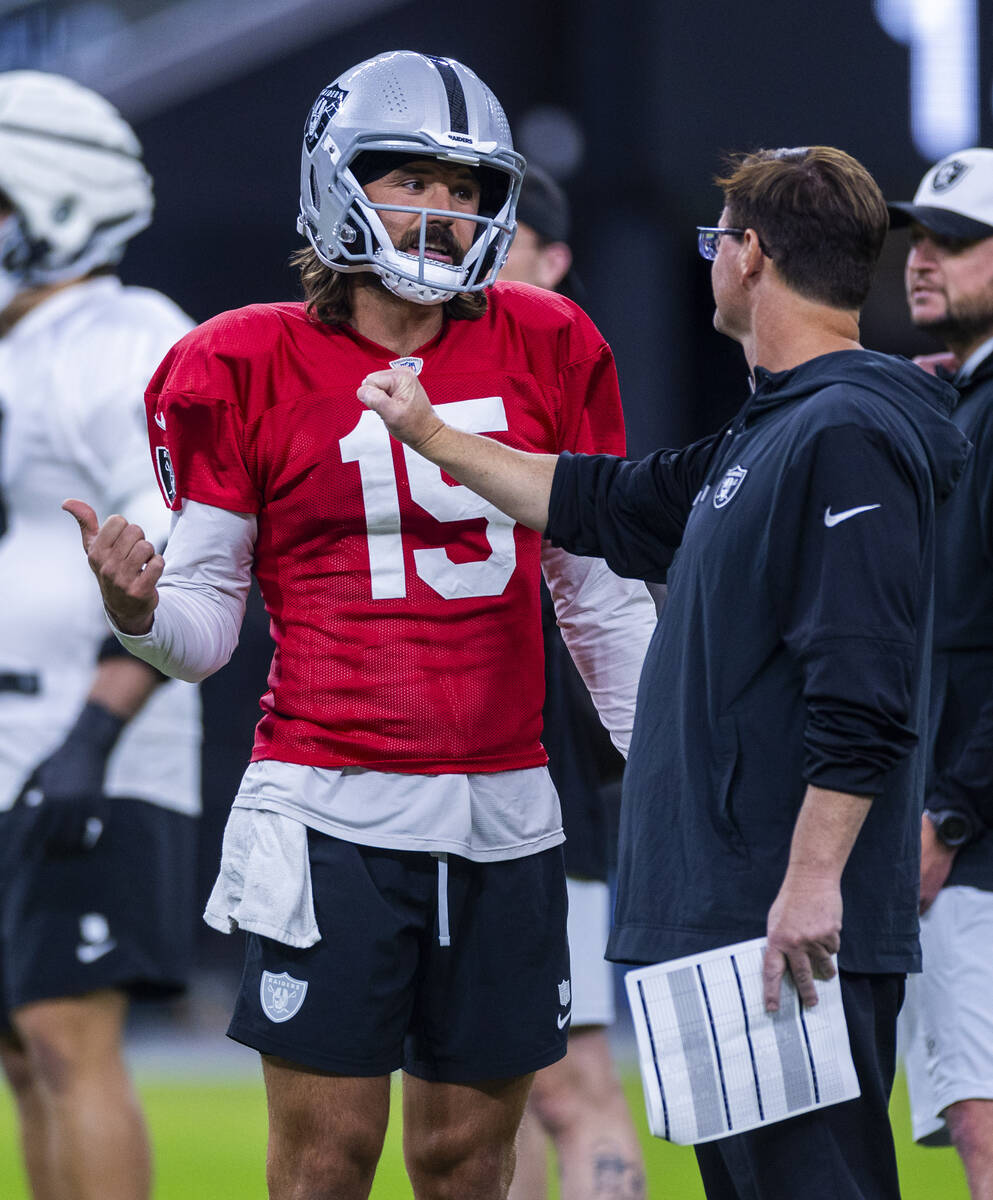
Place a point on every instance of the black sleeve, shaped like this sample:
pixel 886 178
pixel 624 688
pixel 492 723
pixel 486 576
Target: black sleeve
pixel 847 574
pixel 630 513
pixel 967 783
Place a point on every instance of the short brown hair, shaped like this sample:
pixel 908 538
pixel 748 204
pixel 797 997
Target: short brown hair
pixel 819 214
pixel 329 292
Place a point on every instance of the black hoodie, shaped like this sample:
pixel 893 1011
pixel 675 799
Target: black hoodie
pixel 793 649
pixel 961 730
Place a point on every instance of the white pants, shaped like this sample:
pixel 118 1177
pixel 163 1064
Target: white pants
pixel 946 1026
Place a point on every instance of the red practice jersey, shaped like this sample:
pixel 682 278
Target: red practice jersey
pixel 404 608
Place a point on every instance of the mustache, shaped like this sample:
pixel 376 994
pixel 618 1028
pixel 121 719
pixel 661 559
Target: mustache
pixel 438 236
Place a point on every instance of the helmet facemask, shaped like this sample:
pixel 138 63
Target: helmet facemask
pixel 407 271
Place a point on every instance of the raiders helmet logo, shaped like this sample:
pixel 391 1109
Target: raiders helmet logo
pixel 727 489
pixel 325 106
pixel 948 175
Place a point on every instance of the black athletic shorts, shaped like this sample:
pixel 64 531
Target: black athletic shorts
pixel 380 991
pixel 121 915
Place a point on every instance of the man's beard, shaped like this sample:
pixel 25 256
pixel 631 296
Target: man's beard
pixel 441 238
pixel 963 322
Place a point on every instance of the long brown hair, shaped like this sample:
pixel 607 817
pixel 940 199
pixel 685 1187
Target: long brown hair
pixel 329 293
pixel 819 214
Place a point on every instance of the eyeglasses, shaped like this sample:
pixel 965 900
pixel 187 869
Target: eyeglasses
pixel 708 239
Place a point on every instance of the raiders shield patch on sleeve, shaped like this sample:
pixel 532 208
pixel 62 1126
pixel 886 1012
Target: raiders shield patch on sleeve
pixel 167 476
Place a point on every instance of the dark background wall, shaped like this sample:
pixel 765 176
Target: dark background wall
pixel 658 92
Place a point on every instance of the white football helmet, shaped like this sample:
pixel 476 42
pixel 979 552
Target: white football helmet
pixel 70 167
pixel 416 106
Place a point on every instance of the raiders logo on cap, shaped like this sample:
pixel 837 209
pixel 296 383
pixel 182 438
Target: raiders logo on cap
pixel 948 174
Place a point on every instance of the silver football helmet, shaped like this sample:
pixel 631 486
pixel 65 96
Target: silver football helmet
pixel 417 106
pixel 70 168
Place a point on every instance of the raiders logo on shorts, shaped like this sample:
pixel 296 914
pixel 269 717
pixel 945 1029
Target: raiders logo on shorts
pixel 282 996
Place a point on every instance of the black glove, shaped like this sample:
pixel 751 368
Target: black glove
pixel 65 792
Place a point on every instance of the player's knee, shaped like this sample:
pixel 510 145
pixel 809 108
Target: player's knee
pixel 970 1123
pixel 557 1104
pixel 53 1066
pixel 306 1153
pixel 17 1069
pixel 461 1165
pixel 322 1167
pixel 564 1099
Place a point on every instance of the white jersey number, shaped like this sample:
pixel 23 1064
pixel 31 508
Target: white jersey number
pixel 369 445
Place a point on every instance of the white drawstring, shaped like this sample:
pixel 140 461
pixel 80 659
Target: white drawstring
pixel 444 935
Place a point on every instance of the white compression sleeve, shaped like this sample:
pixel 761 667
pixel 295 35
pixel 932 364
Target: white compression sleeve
pixel 202 593
pixel 607 623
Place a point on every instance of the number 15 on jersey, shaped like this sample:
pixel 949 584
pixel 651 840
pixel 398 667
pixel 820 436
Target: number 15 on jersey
pixel 369 444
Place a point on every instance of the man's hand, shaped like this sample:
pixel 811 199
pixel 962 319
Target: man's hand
pixel 936 863
pixel 804 931
pixel 945 359
pixel 65 795
pixel 403 404
pixel 126 565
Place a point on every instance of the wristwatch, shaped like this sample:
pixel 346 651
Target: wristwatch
pixel 952 827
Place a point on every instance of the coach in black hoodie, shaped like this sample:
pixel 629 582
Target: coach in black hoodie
pixel 775 775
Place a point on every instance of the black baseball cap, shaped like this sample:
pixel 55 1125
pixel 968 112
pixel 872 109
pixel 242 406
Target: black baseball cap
pixel 544 207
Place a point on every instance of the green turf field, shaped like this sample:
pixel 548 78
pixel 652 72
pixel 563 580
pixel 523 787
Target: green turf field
pixel 210 1145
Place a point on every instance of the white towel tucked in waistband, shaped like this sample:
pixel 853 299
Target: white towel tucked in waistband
pixel 264 883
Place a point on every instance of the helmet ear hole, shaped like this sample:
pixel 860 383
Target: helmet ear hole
pixel 315 191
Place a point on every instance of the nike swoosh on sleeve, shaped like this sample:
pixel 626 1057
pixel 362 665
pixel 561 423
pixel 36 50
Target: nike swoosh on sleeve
pixel 831 519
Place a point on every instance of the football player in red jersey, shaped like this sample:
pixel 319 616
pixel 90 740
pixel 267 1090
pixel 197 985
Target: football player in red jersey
pixel 394 850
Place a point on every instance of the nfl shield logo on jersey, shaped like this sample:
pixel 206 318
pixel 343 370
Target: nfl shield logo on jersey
pixel 281 995
pixel 565 993
pixel 411 363
pixel 727 489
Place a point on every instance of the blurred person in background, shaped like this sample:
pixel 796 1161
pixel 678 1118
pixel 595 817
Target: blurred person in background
pixel 578 1102
pixel 948 1021
pixel 773 781
pixel 99 756
pixel 395 849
